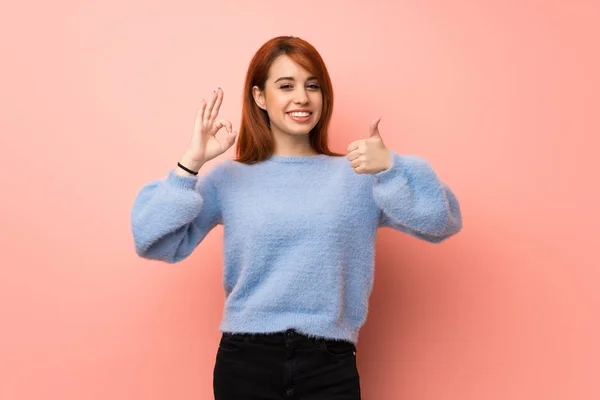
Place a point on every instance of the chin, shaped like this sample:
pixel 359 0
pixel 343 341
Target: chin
pixel 300 130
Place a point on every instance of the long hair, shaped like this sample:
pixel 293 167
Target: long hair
pixel 255 141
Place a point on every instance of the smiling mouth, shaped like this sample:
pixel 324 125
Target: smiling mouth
pixel 300 117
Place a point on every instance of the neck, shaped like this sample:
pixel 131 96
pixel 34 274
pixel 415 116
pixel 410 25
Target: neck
pixel 293 145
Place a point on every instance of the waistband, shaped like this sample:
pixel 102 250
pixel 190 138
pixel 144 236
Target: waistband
pixel 283 337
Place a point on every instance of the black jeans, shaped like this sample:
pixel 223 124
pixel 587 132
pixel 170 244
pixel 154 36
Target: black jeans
pixel 285 365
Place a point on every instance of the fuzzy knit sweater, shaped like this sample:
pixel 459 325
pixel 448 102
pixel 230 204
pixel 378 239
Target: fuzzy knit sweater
pixel 299 234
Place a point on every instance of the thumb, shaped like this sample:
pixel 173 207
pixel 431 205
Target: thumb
pixel 230 139
pixel 374 128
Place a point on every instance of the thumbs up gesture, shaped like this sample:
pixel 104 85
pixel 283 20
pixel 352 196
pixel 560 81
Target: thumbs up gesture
pixel 370 156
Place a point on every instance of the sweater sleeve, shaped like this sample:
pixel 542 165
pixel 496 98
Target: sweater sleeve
pixel 170 217
pixel 413 200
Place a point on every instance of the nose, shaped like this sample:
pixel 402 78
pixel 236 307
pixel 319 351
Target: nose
pixel 301 97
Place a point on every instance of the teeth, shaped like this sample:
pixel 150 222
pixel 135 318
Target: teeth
pixel 300 114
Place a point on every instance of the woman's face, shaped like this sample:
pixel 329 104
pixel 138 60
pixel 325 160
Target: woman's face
pixel 292 98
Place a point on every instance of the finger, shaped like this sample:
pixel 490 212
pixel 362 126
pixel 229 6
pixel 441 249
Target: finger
pixel 353 146
pixel 356 162
pixel 359 169
pixel 353 155
pixel 228 141
pixel 374 128
pixel 200 116
pixel 209 107
pixel 224 123
pixel 217 107
pixel 231 138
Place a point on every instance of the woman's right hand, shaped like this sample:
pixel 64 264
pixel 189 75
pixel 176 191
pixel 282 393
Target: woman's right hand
pixel 205 145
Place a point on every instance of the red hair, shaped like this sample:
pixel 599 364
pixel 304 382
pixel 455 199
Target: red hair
pixel 255 141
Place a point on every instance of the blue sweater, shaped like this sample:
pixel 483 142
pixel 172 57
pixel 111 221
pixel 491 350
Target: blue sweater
pixel 299 234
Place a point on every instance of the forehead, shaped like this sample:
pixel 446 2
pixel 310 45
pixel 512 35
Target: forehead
pixel 285 66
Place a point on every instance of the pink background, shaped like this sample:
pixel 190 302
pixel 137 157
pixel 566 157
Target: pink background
pixel 501 97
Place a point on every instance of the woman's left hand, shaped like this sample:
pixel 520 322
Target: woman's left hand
pixel 370 156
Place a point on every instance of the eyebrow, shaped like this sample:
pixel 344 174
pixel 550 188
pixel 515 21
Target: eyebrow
pixel 291 78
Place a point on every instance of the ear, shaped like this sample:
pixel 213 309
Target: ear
pixel 259 97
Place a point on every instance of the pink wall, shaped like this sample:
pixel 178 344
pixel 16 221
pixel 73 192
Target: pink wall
pixel 501 97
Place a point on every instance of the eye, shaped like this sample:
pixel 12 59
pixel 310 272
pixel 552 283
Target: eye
pixel 312 86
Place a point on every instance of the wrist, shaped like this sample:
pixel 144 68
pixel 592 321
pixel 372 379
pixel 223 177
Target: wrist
pixel 190 164
pixel 390 159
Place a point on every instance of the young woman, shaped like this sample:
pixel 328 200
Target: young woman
pixel 299 227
